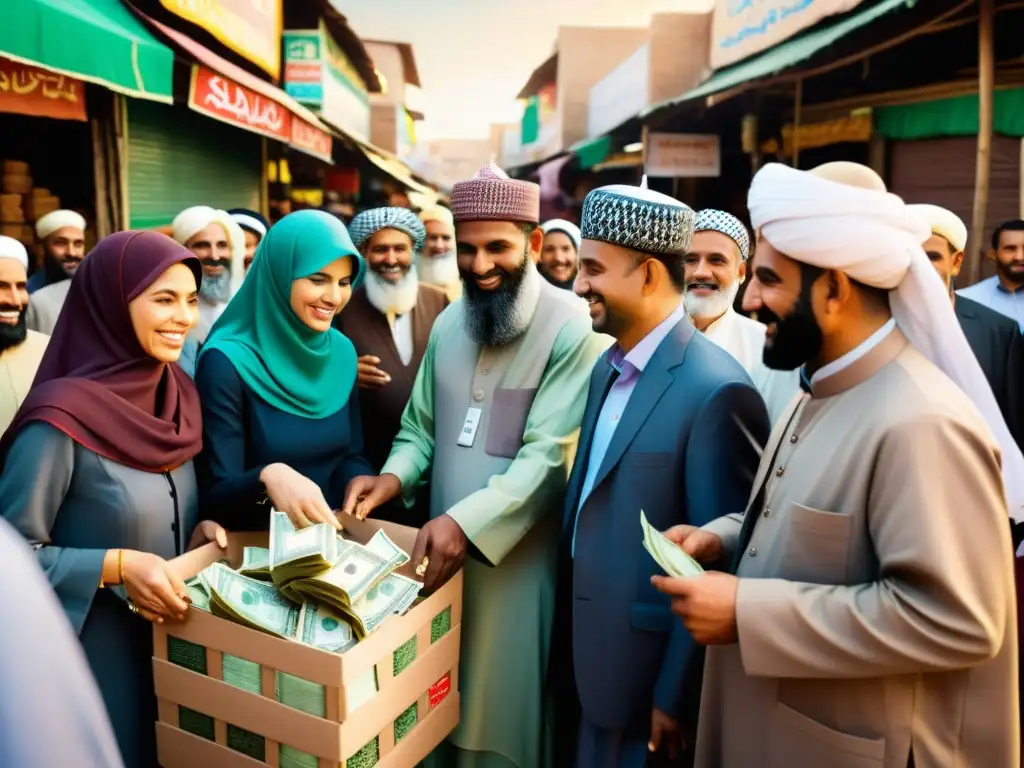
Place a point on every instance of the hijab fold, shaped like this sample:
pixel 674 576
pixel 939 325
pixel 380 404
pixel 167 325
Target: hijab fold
pixel 96 384
pixel 286 363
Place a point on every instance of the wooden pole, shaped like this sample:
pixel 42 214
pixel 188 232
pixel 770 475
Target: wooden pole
pixel 983 162
pixel 643 153
pixel 796 121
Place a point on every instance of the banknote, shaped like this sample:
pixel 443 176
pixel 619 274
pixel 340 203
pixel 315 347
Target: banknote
pixel 382 545
pixel 299 554
pixel 394 595
pixel 669 557
pixel 252 603
pixel 256 563
pixel 352 575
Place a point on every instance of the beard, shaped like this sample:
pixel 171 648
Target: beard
pixel 1011 273
pixel 13 335
pixel 797 337
pixel 386 296
pixel 438 270
pixel 713 306
pixel 216 289
pixel 499 317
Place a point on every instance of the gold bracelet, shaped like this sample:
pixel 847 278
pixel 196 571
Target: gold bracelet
pixel 120 566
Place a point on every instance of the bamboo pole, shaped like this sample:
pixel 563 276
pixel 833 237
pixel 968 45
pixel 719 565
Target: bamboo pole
pixel 983 162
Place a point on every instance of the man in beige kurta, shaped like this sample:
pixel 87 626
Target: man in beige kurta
pixel 494 412
pixel 21 350
pixel 870 620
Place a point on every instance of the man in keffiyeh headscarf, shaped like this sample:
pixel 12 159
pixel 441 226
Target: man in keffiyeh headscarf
pixel 388 320
pixel 219 242
pixel 872 610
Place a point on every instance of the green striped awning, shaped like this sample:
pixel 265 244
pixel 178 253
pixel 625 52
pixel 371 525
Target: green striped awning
pixel 98 41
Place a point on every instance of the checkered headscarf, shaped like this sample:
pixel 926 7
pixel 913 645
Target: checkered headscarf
pixel 368 223
pixel 712 220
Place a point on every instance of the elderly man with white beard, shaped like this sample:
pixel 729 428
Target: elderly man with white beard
pixel 219 242
pixel 21 349
pixel 714 268
pixel 436 258
pixel 388 320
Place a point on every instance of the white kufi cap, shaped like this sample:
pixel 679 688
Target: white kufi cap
pixel 55 220
pixel 12 249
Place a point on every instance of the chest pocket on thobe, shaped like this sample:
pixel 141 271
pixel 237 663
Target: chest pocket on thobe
pixel 507 424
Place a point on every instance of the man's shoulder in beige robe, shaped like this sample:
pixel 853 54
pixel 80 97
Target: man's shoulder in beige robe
pixel 18 366
pixel 876 608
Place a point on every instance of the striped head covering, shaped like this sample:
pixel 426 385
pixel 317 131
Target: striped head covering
pixel 492 196
pixel 368 223
pixel 638 218
pixel 713 220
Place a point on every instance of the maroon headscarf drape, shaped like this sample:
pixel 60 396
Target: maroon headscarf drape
pixel 95 382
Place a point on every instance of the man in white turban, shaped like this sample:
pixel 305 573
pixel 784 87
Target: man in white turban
pixel 219 242
pixel 869 617
pixel 62 236
pixel 436 264
pixel 21 350
pixel 560 255
pixel 995 338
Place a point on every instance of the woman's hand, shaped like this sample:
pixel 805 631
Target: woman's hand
pixel 206 532
pixel 157 592
pixel 297 496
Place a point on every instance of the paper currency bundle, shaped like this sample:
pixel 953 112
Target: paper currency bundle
pixel 313 587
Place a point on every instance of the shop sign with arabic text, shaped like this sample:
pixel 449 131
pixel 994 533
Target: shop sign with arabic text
pixel 223 99
pixel 250 28
pixel 28 90
pixel 744 27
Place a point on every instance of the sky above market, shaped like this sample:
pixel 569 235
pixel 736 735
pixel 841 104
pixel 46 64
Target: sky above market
pixel 474 56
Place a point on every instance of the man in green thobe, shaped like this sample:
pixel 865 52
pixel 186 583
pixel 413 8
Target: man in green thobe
pixel 495 414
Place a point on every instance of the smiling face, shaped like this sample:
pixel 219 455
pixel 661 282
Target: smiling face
pixel 714 271
pixel 163 314
pixel 389 254
pixel 210 244
pixel 558 259
pixel 317 298
pixel 491 253
pixel 66 246
pixel 13 302
pixel 252 242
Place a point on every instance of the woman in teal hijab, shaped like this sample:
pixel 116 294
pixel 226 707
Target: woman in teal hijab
pixel 278 384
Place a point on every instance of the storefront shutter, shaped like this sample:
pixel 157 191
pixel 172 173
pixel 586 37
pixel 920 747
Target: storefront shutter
pixel 941 172
pixel 177 158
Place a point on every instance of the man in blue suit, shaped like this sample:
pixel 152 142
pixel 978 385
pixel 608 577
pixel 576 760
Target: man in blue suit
pixel 673 426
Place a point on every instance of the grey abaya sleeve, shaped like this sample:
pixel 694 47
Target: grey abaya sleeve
pixel 46 687
pixel 35 480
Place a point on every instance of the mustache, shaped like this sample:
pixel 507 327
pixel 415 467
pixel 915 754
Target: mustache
pixel 11 308
pixel 700 284
pixel 211 261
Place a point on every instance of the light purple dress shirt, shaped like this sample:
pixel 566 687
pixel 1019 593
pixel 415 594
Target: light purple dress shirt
pixel 630 367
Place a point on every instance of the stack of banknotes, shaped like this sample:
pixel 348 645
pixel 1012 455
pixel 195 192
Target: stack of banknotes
pixel 313 587
pixel 670 557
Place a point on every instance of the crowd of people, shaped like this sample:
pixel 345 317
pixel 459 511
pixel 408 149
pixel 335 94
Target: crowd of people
pixel 812 413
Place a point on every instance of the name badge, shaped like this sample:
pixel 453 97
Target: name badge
pixel 468 433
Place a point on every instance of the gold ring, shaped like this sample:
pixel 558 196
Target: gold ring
pixel 421 569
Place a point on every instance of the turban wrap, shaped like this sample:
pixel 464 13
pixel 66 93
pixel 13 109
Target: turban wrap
pixel 871 236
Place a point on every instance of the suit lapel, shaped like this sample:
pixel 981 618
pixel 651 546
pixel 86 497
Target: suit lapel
pixel 654 380
pixel 600 383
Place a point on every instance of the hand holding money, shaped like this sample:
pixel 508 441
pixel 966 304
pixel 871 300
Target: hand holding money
pixel 703 546
pixel 297 496
pixel 672 558
pixel 366 493
pixel 443 544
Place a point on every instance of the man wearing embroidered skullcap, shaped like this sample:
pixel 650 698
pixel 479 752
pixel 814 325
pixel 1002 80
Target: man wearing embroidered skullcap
pixel 62 237
pixel 493 416
pixel 219 242
pixel 995 338
pixel 672 427
pixel 870 608
pixel 715 267
pixel 437 264
pixel 21 349
pixel 560 255
pixel 254 227
pixel 389 319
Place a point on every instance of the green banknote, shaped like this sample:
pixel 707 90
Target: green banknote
pixel 256 563
pixel 669 557
pixel 255 604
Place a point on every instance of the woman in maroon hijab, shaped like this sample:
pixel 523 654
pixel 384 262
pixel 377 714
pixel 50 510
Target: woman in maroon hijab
pixel 97 465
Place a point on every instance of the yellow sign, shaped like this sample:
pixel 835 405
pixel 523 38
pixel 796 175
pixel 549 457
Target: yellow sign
pixel 250 28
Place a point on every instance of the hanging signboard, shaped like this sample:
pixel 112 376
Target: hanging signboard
pixel 303 66
pixel 250 28
pixel 28 90
pixel 683 155
pixel 223 99
pixel 744 27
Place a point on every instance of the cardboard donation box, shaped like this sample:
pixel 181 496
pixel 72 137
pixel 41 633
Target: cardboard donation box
pixel 385 702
